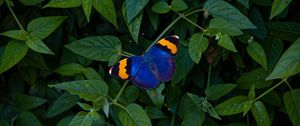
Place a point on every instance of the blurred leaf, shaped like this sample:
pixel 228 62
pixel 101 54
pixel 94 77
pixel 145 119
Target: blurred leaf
pixel 99 48
pixel 16 34
pixel 28 119
pixel 288 31
pixel 278 6
pixel 221 9
pixel 226 42
pixel 38 45
pixel 215 92
pixel 87 6
pixel 91 74
pixel 134 115
pixel 134 25
pixel 257 53
pixel 65 121
pixel 273 98
pixel 31 2
pixel 28 73
pixel 260 114
pixel 197 45
pixel 82 119
pixel 13 53
pixel 154 18
pixel 42 27
pixel 288 64
pixel 70 69
pixel 184 64
pixel 220 25
pixel 25 102
pixel 61 104
pixel 107 9
pixel 292 105
pixel 63 3
pixel 3 122
pixel 160 7
pixel 232 106
pixel 133 8
pixel 193 114
pixel 106 107
pixel 273 49
pixel 89 90
pixel 255 77
pixel 178 5
pixel 84 106
pixel 245 3
pixel 156 95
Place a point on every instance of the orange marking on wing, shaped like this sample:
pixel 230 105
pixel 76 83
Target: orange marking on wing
pixel 122 69
pixel 169 45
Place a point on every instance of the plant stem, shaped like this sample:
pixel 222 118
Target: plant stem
pixel 14 15
pixel 272 88
pixel 193 23
pixel 208 76
pixel 173 120
pixel 120 92
pixel 192 12
pixel 127 53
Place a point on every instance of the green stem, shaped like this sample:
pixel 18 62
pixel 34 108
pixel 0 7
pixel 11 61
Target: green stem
pixel 14 15
pixel 272 88
pixel 162 33
pixel 123 54
pixel 193 23
pixel 173 120
pixel 121 106
pixel 194 11
pixel 288 84
pixel 127 53
pixel 208 76
pixel 120 92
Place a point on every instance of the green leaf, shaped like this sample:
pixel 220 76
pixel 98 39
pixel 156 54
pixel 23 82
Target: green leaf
pixel 153 18
pixel 42 27
pixel 288 31
pixel 220 8
pixel 16 34
pixel 251 93
pixel 38 45
pixel 245 3
pixel 133 8
pixel 89 90
pixel 107 9
pixel 134 115
pixel 87 6
pixel 156 95
pixel 184 64
pixel 82 119
pixel 99 48
pixel 256 17
pixel 155 113
pixel 197 45
pixel 65 121
pixel 25 102
pixel 193 114
pixel 215 92
pixel 160 7
pixel 28 119
pixel 31 2
pixel 255 77
pixel 257 53
pixel 131 93
pixel 273 98
pixel 247 107
pixel 226 42
pixel 278 6
pixel 260 114
pixel 220 25
pixel 63 3
pixel 61 104
pixel 273 49
pixel 70 69
pixel 91 74
pixel 28 73
pixel 85 106
pixel 292 105
pixel 178 5
pixel 134 25
pixel 288 64
pixel 13 53
pixel 232 106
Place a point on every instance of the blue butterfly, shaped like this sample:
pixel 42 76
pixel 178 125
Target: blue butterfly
pixel 153 67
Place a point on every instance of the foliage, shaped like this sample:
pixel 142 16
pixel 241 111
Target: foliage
pixel 238 62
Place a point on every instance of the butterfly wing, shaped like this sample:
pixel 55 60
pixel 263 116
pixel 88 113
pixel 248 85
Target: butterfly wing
pixel 137 70
pixel 162 56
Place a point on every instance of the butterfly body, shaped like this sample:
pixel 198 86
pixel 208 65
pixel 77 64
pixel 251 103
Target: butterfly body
pixel 155 66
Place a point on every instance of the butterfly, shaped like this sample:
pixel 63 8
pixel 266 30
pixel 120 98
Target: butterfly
pixel 153 67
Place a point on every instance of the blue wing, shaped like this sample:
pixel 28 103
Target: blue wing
pixel 162 57
pixel 145 77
